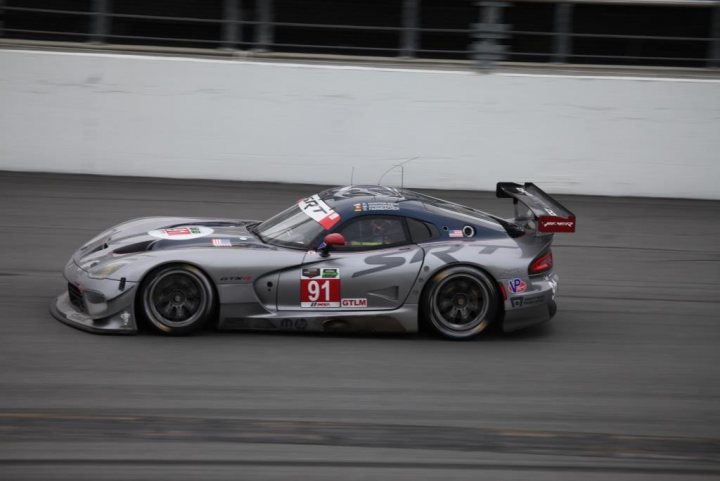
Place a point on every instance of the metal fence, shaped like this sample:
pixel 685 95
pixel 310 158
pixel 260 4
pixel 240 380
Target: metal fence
pixel 607 32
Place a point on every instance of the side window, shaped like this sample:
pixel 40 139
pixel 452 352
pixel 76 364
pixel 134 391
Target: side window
pixel 373 231
pixel 421 231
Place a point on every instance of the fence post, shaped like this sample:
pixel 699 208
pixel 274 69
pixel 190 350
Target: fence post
pixel 410 32
pixel 264 27
pixel 231 29
pixel 488 32
pixel 99 21
pixel 562 42
pixel 714 50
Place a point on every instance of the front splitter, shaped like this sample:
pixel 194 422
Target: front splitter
pixel 120 323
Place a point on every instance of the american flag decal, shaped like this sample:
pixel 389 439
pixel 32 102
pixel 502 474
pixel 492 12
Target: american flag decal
pixel 221 243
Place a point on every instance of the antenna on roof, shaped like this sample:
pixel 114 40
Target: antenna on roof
pixel 352 175
pixel 402 171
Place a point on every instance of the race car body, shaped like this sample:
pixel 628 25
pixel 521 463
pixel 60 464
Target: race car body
pixel 349 259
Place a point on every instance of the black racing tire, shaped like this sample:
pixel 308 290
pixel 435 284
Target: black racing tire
pixel 177 299
pixel 460 302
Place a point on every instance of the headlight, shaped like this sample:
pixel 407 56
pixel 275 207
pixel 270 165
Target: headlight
pixel 107 269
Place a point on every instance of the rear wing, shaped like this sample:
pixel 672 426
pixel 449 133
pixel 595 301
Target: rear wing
pixel 540 212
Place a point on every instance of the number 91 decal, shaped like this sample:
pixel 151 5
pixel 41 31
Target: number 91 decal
pixel 320 287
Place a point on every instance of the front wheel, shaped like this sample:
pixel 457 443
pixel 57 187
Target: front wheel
pixel 460 302
pixel 177 300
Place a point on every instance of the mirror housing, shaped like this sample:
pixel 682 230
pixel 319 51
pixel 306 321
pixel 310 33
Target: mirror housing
pixel 334 239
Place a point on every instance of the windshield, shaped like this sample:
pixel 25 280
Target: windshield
pixel 290 228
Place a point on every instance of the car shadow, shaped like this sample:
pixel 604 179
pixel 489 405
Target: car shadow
pixel 494 334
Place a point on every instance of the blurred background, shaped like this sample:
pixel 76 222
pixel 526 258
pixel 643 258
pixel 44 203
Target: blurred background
pixel 587 97
pixel 116 109
pixel 679 33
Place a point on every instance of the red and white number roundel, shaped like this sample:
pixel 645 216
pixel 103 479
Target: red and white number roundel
pixel 320 287
pixel 184 232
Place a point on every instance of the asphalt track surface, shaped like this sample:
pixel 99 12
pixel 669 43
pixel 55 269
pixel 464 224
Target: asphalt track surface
pixel 622 384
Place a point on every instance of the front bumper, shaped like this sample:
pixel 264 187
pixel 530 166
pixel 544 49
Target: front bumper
pixel 122 322
pixel 97 305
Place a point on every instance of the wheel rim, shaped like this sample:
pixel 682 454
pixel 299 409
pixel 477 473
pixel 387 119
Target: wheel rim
pixel 176 298
pixel 460 302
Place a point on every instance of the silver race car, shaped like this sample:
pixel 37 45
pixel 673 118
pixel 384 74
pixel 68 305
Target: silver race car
pixel 349 259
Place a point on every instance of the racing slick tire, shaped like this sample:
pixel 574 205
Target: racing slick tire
pixel 461 302
pixel 177 299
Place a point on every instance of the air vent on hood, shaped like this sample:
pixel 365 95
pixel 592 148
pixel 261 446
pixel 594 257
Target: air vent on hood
pixel 95 249
pixel 133 248
pixel 211 224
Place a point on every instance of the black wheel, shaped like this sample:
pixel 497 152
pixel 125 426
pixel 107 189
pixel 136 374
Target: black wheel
pixel 460 302
pixel 177 300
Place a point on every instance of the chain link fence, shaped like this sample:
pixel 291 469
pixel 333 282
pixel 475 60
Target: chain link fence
pixel 610 32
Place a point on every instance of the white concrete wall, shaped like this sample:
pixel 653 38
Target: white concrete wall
pixel 201 118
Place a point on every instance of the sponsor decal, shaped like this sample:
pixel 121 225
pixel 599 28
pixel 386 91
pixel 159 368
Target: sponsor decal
pixel 517 285
pixel 330 273
pixel 311 272
pixel 445 255
pixel 535 300
pixel 299 324
pixel 77 317
pixel 182 233
pixel 221 243
pixel 527 301
pixel 175 231
pixel 320 288
pixel 319 304
pixel 358 302
pixel 319 211
pixel 492 248
pixel 553 223
pixel 391 261
pixel 510 273
pixel 382 206
pixel 365 206
pixel 239 278
pixel 456 233
pixel 556 224
pixel 383 263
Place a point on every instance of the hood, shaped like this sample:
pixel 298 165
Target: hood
pixel 165 233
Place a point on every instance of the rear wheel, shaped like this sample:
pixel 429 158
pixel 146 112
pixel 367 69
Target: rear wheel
pixel 460 302
pixel 178 299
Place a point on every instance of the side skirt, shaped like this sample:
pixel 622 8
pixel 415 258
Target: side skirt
pixel 403 320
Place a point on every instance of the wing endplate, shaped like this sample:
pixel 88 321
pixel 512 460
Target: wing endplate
pixel 549 214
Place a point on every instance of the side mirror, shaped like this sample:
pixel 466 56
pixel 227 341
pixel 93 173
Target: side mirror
pixel 334 239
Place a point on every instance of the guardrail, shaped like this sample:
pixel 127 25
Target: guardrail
pixel 608 32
